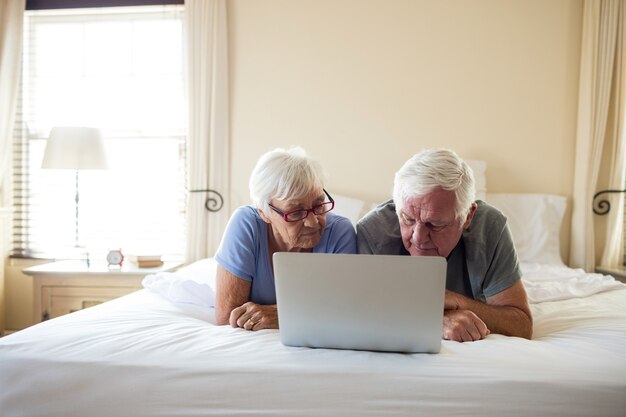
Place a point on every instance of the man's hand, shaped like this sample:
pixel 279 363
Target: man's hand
pixel 506 312
pixel 252 316
pixel 452 300
pixel 463 326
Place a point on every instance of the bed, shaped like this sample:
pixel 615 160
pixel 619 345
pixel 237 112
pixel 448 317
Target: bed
pixel 156 352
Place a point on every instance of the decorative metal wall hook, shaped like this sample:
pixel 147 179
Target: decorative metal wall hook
pixel 214 201
pixel 602 207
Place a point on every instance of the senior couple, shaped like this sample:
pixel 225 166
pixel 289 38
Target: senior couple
pixel 433 213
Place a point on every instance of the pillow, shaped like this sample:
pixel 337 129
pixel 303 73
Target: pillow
pixel 348 207
pixel 479 169
pixel 193 284
pixel 202 271
pixel 535 223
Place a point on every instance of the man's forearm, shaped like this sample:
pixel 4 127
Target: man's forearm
pixel 506 312
pixel 502 319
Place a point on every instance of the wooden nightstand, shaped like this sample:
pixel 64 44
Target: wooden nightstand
pixel 65 286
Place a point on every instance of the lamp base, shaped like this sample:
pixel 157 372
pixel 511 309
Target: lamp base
pixel 81 253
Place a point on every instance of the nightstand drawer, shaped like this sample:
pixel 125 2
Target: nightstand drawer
pixel 57 301
pixel 65 286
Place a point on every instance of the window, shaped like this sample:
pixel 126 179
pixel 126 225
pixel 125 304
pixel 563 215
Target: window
pixel 120 70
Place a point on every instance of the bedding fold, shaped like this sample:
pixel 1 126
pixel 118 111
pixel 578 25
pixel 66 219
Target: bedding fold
pixel 179 288
pixel 545 282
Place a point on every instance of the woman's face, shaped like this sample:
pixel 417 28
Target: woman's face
pixel 301 234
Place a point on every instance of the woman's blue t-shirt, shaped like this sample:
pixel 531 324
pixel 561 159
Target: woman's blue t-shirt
pixel 244 250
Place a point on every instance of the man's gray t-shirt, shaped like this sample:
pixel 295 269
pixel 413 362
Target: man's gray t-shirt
pixel 482 264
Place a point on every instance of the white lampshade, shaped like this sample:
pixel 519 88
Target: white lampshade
pixel 74 148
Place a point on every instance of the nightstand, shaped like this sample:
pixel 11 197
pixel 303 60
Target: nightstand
pixel 66 286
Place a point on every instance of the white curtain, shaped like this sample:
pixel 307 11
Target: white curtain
pixel 600 86
pixel 613 253
pixel 11 22
pixel 208 135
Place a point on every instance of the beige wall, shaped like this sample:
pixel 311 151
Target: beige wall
pixel 364 84
pixel 19 294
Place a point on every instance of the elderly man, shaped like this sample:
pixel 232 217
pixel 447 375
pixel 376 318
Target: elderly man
pixel 434 213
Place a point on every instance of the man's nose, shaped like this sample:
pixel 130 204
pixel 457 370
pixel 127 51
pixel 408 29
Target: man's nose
pixel 420 233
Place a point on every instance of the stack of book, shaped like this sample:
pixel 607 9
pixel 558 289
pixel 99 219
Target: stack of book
pixel 145 261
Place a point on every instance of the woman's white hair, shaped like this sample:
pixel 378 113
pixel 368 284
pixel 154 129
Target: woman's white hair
pixel 436 168
pixel 283 174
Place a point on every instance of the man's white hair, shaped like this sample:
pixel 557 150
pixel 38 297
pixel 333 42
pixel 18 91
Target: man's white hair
pixel 283 174
pixel 436 168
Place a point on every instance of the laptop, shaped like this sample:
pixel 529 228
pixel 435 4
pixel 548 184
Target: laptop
pixel 364 302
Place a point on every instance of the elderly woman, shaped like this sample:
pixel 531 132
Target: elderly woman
pixel 290 214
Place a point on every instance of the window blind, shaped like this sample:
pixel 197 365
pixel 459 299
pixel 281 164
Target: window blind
pixel 120 70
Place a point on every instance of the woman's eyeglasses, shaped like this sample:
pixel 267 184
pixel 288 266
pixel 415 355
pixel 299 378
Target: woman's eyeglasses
pixel 300 214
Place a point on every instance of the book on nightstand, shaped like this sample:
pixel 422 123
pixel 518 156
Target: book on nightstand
pixel 145 261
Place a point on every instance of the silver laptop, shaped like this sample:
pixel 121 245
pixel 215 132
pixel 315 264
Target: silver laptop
pixel 364 302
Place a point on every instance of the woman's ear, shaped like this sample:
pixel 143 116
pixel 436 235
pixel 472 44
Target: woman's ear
pixel 263 216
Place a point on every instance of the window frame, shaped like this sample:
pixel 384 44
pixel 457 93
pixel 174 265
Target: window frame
pixel 21 153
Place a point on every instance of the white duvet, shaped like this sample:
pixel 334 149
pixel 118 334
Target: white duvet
pixel 557 282
pixel 142 355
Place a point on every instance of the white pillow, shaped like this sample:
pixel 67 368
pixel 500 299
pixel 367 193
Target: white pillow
pixel 535 223
pixel 202 271
pixel 479 168
pixel 192 284
pixel 348 207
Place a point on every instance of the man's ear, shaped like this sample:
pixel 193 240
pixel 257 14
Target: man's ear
pixel 263 216
pixel 470 216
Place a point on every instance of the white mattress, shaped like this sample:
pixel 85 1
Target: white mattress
pixel 142 355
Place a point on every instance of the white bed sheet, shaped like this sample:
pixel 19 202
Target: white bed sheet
pixel 141 355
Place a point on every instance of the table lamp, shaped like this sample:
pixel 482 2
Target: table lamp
pixel 76 148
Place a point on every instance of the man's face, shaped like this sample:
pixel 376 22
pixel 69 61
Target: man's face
pixel 429 226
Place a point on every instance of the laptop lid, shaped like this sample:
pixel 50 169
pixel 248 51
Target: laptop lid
pixel 363 302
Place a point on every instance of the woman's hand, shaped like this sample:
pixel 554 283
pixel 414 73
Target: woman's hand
pixel 252 316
